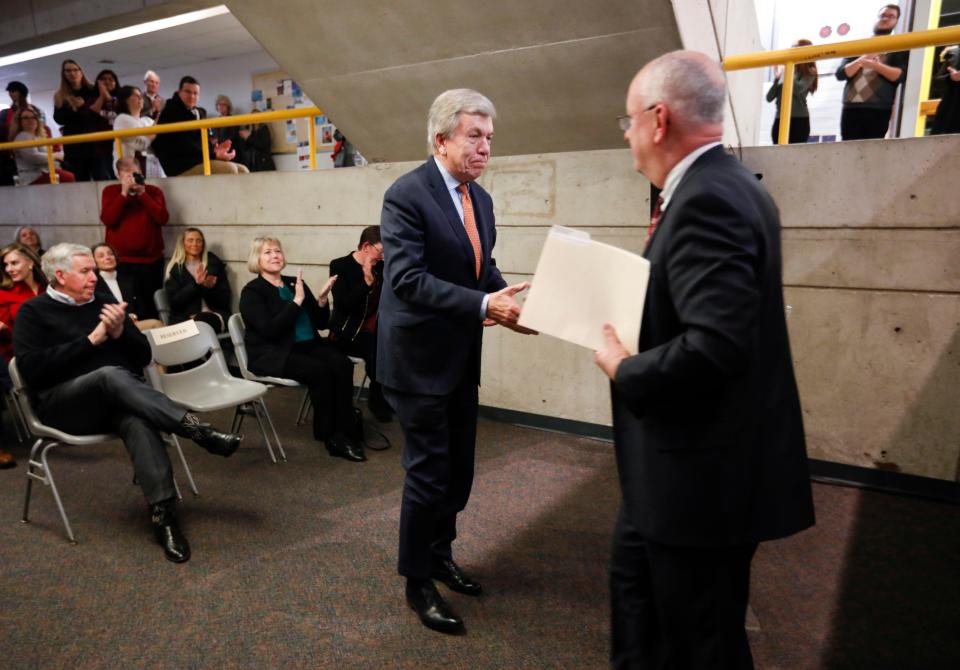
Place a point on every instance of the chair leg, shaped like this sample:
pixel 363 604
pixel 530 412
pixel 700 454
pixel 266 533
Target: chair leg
pixel 305 406
pixel 186 468
pixel 238 415
pixel 23 433
pixel 31 475
pixel 363 381
pixel 273 429
pixel 258 410
pixel 56 493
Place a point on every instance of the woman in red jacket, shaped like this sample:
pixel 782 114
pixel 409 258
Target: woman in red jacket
pixel 20 280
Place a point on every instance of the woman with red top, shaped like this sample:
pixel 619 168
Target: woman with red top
pixel 20 280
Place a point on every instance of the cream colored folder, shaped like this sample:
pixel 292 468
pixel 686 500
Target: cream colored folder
pixel 581 284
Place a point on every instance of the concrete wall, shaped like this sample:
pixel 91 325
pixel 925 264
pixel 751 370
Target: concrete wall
pixel 870 239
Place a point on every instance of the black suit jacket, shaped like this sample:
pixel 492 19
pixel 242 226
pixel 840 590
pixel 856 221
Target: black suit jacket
pixel 271 322
pixel 127 289
pixel 178 152
pixel 709 434
pixel 429 329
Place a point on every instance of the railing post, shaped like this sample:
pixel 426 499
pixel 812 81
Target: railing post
pixel 52 165
pixel 119 144
pixel 205 147
pixel 312 135
pixel 786 103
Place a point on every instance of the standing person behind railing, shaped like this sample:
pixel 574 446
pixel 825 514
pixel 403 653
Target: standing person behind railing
pixel 872 82
pixel 153 102
pixel 257 146
pixel 32 164
pixel 196 283
pixel 230 133
pixel 804 84
pixel 77 105
pixel 182 153
pixel 130 106
pixel 947 119
pixel 20 280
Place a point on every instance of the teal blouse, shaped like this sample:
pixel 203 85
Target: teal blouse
pixel 303 329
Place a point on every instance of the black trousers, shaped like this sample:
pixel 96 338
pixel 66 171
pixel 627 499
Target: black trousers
pixel 864 124
pixel 328 375
pixel 799 130
pixel 678 608
pixel 439 439
pixel 364 346
pixel 147 279
pixel 113 400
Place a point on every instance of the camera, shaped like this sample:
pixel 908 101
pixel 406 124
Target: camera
pixel 139 178
pixel 951 56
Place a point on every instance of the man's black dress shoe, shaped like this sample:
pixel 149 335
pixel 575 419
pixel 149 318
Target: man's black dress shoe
pixel 163 517
pixel 211 439
pixel 433 610
pixel 456 579
pixel 343 447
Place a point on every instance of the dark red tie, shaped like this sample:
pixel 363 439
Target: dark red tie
pixel 655 217
pixel 470 224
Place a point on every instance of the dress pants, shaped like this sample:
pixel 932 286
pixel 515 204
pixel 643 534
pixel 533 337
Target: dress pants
pixel 678 608
pixel 113 400
pixel 439 439
pixel 147 280
pixel 328 375
pixel 857 123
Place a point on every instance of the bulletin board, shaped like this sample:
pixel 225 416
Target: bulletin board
pixel 276 90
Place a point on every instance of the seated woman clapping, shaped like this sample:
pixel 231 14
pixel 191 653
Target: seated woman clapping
pixel 196 283
pixel 282 318
pixel 115 284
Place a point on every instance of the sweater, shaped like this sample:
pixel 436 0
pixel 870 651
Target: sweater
pixel 354 303
pixel 11 299
pixel 133 223
pixel 52 347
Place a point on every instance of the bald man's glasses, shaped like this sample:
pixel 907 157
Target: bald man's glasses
pixel 626 120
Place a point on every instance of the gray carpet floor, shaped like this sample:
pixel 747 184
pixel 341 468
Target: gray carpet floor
pixel 294 564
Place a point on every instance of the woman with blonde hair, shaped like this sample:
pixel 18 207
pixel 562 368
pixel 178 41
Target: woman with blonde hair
pixel 32 165
pixel 282 318
pixel 77 106
pixel 20 280
pixel 196 282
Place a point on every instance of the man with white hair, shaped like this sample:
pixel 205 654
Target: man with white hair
pixel 440 285
pixel 81 359
pixel 153 101
pixel 706 416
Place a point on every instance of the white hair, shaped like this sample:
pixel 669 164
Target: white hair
pixel 60 257
pixel 150 73
pixel 446 110
pixel 693 87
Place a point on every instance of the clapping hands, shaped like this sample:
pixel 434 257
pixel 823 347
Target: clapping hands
pixel 204 279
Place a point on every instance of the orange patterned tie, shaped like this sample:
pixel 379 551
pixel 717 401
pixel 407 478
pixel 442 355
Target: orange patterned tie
pixel 470 223
pixel 655 218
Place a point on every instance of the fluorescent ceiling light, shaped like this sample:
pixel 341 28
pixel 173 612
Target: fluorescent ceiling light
pixel 114 35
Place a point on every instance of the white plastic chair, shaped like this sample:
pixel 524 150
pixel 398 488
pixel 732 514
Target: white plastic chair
pixel 47 439
pixel 238 331
pixel 208 386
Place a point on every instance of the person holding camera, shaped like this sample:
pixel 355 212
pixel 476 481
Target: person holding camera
pixel 947 118
pixel 356 298
pixel 134 213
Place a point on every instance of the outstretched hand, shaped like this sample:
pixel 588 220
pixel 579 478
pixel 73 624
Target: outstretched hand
pixel 324 296
pixel 502 308
pixel 298 291
pixel 609 357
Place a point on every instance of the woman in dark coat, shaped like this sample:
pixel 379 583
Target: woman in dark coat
pixel 947 119
pixel 282 318
pixel 196 283
pixel 77 108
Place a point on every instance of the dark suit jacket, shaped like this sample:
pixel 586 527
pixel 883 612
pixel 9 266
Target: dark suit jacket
pixel 186 294
pixel 127 290
pixel 178 152
pixel 709 435
pixel 429 329
pixel 271 321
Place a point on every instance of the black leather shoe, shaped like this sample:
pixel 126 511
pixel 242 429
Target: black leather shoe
pixel 343 447
pixel 456 579
pixel 433 610
pixel 211 439
pixel 163 517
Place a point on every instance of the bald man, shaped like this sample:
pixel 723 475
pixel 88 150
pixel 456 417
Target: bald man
pixel 707 424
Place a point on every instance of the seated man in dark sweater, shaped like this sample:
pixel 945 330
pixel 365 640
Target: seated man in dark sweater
pixel 81 358
pixel 356 299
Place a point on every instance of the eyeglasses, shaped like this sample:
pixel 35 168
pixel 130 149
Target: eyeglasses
pixel 626 120
pixel 889 15
pixel 28 118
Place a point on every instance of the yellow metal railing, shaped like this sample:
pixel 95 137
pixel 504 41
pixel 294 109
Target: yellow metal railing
pixel 790 57
pixel 201 126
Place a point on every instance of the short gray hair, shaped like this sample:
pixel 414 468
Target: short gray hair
pixel 150 73
pixel 688 84
pixel 253 260
pixel 446 110
pixel 60 257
